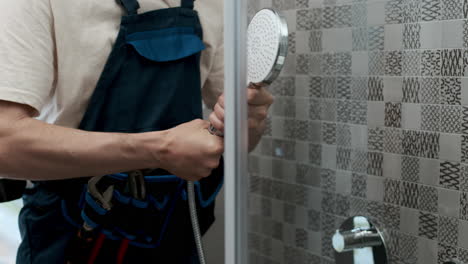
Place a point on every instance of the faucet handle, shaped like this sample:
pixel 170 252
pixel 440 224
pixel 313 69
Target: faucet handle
pixel 344 241
pixel 359 241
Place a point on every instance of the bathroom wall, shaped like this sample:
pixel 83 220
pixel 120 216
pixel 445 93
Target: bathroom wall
pixel 370 118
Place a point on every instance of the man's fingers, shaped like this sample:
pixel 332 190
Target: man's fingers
pixel 219 112
pixel 218 124
pixel 259 96
pixel 258 112
pixel 203 123
pixel 221 101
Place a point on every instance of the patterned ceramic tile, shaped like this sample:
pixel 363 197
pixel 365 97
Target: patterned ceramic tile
pixel 465 9
pixel 354 112
pixel 464 149
pixel 464 178
pixel 410 169
pixel 450 119
pixel 392 191
pixel 328 110
pixel 393 141
pixel 302 3
pixel 343 16
pixel 421 144
pixel 343 63
pixel 431 62
pixel 430 88
pixel 315 86
pixel 413 11
pixel 358 185
pixel 463 255
pixel 430 117
pixel 411 90
pixel 303 63
pixel 359 88
pixel 282 4
pixel 411 65
pixel 315 154
pixel 359 39
pixel 446 253
pixel 343 135
pixel 328 17
pixel 430 10
pixel 343 158
pixel 315 111
pixel 393 60
pixel 451 91
pixel 315 41
pixel 283 86
pixel 465 33
pixel 375 162
pixel 428 225
pixel 376 63
pixel 328 64
pixel 375 139
pixel 303 18
pixel 328 89
pixel 314 221
pixel 452 62
pixel 452 9
pixel 359 161
pixel 375 38
pixel 448 231
pixel 408 248
pixel 464 206
pixel 450 175
pixel 342 205
pixel 395 12
pixel 412 36
pixel 393 114
pixel 464 121
pixel 375 87
pixel 409 195
pixel 329 133
pixel 358 206
pixel 428 198
pixel 359 15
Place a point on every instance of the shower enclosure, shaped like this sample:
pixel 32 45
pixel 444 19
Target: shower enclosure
pixel 370 119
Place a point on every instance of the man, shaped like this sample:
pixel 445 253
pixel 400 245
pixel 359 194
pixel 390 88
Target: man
pixel 82 87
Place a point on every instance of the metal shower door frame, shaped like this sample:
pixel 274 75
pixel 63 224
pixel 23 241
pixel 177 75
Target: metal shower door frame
pixel 236 132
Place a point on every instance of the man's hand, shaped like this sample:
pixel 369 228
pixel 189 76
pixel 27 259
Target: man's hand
pixel 259 101
pixel 190 151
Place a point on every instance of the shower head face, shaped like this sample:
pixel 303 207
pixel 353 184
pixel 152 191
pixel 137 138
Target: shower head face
pixel 267 45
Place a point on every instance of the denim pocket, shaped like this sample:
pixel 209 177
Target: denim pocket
pixel 167 44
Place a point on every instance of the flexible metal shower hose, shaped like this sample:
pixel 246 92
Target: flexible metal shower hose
pixel 195 225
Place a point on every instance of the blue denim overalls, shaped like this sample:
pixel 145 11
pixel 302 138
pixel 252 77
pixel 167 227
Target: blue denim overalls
pixel 151 82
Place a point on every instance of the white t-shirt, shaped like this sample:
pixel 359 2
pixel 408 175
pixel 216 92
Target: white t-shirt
pixel 52 52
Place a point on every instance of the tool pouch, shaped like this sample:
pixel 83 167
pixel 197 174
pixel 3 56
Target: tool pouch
pixel 161 218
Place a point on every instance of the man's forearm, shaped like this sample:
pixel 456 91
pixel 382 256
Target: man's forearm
pixel 31 149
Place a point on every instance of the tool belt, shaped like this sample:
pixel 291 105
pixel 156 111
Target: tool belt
pixel 148 209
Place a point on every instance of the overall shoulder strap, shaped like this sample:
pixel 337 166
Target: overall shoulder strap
pixel 130 6
pixel 188 4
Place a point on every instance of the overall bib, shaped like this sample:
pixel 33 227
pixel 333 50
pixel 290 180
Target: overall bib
pixel 150 82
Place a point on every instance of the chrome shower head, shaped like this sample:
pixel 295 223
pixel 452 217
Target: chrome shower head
pixel 267 47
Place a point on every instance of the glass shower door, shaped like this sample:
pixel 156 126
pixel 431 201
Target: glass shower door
pixel 370 119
